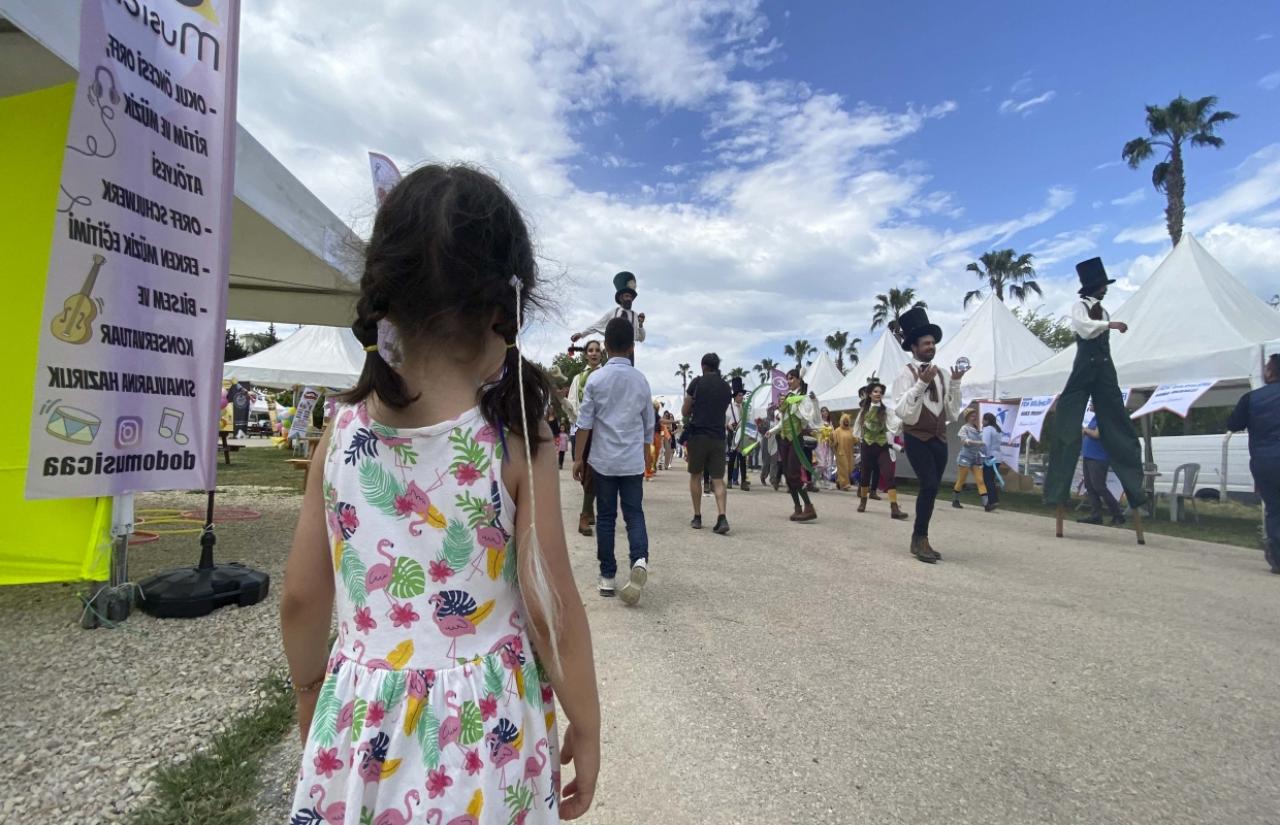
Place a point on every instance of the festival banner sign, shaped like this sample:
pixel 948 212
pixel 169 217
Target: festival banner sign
pixel 1006 413
pixel 1031 413
pixel 128 378
pixel 303 408
pixel 385 175
pixel 1088 412
pixel 781 387
pixel 1176 398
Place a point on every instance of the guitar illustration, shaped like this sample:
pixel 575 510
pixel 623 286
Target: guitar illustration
pixel 74 324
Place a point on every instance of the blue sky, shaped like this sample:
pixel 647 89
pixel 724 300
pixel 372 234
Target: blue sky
pixel 766 168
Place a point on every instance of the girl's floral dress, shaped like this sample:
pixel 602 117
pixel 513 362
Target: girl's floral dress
pixel 434 709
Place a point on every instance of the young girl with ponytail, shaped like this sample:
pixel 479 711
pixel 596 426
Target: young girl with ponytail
pixel 435 530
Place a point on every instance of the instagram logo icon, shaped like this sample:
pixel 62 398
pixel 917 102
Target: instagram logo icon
pixel 128 431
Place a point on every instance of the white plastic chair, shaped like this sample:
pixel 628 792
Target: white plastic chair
pixel 1189 473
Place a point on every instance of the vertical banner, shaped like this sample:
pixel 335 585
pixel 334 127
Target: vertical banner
pixel 1006 413
pixel 385 175
pixel 780 387
pixel 128 378
pixel 1031 413
pixel 303 408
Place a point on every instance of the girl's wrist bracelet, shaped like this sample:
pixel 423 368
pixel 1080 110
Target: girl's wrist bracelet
pixel 310 687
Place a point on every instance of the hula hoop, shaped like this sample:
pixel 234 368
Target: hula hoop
pixel 221 514
pixel 143 537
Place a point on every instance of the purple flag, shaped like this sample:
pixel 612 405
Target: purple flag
pixel 780 386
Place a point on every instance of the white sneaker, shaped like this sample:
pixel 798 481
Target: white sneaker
pixel 639 575
pixel 607 587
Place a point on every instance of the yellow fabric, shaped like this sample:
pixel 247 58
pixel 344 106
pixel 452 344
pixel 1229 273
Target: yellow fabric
pixel 893 496
pixel 57 540
pixel 963 474
pixel 844 442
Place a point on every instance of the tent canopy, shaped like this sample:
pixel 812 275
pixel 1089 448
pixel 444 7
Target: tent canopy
pixel 822 374
pixel 884 360
pixel 1191 320
pixel 316 356
pixel 288 251
pixel 997 345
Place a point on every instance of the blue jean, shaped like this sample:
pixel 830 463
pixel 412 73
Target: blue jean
pixel 1266 477
pixel 609 489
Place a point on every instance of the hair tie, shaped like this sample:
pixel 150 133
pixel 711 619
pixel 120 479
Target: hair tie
pixel 371 348
pixel 513 345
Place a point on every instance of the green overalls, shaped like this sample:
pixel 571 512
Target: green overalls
pixel 1093 374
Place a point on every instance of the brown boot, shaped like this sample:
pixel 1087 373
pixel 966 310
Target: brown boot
pixel 808 514
pixel 584 525
pixel 796 515
pixel 746 486
pixel 895 512
pixel 920 549
pixel 875 496
pixel 929 547
pixel 862 499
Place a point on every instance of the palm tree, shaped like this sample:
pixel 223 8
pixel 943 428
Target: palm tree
pixel 1003 272
pixel 765 368
pixel 798 351
pixel 890 306
pixel 738 372
pixel 1182 120
pixel 851 351
pixel 683 374
pixel 836 342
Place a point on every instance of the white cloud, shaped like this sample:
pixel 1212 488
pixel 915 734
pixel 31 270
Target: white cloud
pixel 1264 36
pixel 1257 186
pixel 1136 196
pixel 1026 107
pixel 1250 253
pixel 1022 85
pixel 1108 165
pixel 1069 246
pixel 1270 82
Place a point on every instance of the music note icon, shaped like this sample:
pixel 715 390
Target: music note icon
pixel 168 414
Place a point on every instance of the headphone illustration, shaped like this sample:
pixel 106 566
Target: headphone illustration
pixel 97 89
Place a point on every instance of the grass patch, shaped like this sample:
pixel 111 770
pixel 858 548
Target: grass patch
pixel 260 467
pixel 221 785
pixel 1227 523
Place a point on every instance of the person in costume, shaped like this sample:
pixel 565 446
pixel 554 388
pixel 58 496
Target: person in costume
pixel 770 467
pixel 875 430
pixel 653 450
pixel 593 354
pixel 799 416
pixel 844 444
pixel 1093 374
pixel 733 423
pixel 624 285
pixel 824 456
pixel 969 460
pixel 924 402
pixel 668 439
pixel 991 436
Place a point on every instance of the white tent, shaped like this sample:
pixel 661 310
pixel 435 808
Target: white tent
pixel 822 374
pixel 884 360
pixel 288 251
pixel 1191 320
pixel 316 356
pixel 997 345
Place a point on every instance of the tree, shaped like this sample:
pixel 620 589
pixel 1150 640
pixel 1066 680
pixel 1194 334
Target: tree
pixel 569 365
pixel 765 368
pixel 1274 303
pixel 851 352
pixel 1055 332
pixel 798 351
pixel 836 342
pixel 683 374
pixel 258 341
pixel 232 349
pixel 890 306
pixel 738 372
pixel 1182 121
pixel 1004 271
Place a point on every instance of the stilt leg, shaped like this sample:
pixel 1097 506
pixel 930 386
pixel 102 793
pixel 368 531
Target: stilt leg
pixel 1137 525
pixel 1058 516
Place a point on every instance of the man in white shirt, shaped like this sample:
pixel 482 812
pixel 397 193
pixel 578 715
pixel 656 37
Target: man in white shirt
pixel 1093 374
pixel 924 402
pixel 733 423
pixel 616 420
pixel 624 285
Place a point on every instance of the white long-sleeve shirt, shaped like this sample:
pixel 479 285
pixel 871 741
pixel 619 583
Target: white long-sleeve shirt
pixel 892 424
pixel 617 312
pixel 575 395
pixel 1083 325
pixel 911 396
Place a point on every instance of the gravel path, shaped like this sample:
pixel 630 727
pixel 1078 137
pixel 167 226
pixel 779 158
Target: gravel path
pixel 89 713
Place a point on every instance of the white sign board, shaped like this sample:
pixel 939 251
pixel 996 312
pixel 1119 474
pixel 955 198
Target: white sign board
pixel 302 411
pixel 1031 414
pixel 128 380
pixel 1176 398
pixel 1006 413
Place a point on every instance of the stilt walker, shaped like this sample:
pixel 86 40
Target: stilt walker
pixel 1094 375
pixel 624 286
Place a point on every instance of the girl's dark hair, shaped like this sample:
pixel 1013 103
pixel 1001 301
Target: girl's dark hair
pixel 795 373
pixel 446 244
pixel 866 399
pixel 989 420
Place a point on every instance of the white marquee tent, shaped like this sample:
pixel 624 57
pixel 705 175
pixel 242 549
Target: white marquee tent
pixel 315 356
pixel 885 358
pixel 1191 320
pixel 997 345
pixel 822 374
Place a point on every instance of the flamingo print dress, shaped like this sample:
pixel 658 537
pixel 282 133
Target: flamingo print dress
pixel 434 708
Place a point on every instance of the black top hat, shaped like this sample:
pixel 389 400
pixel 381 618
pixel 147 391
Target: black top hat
pixel 624 282
pixel 735 383
pixel 1092 275
pixel 915 323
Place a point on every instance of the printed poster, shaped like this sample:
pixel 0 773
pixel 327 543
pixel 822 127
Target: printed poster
pixel 1006 413
pixel 303 409
pixel 1176 398
pixel 385 175
pixel 1031 414
pixel 128 381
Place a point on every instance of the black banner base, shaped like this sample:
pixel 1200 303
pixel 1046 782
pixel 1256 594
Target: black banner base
pixel 191 592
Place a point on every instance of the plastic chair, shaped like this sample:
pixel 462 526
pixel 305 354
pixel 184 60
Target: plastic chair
pixel 1189 473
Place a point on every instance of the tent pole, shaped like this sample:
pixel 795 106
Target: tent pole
pixel 112 603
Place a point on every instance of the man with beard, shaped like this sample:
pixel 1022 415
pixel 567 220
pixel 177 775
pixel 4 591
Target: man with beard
pixel 624 285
